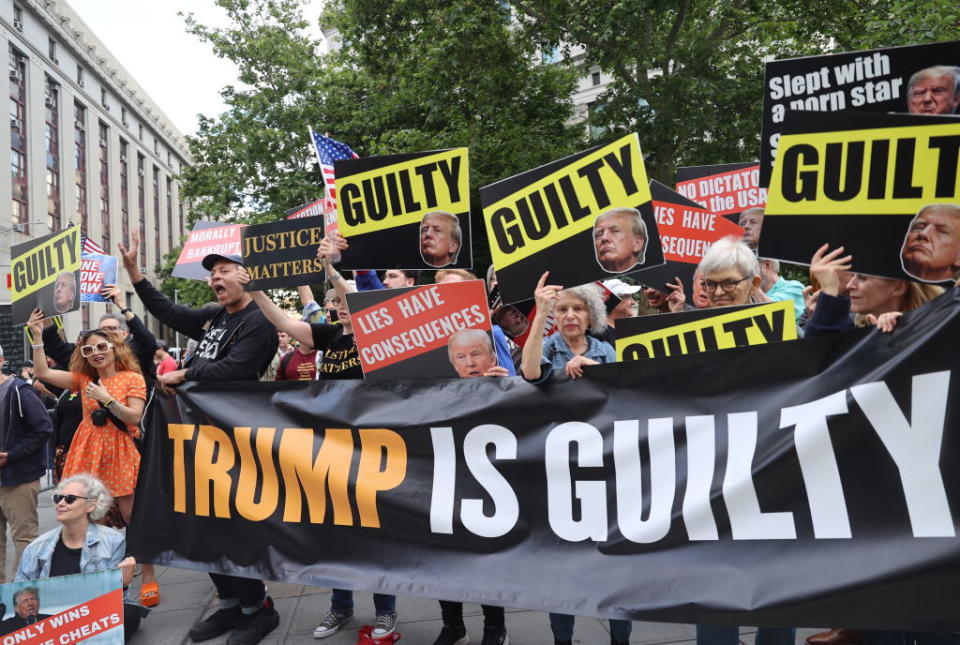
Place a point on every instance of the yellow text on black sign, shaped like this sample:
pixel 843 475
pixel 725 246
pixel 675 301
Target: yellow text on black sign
pixel 566 202
pixel 758 325
pixel 402 193
pixel 41 265
pixel 866 172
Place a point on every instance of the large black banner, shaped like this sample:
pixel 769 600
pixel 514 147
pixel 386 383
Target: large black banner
pixel 802 483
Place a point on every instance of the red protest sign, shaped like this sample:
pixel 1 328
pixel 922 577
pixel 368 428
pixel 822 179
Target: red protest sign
pixel 204 239
pixel 74 625
pixel 724 189
pixel 405 332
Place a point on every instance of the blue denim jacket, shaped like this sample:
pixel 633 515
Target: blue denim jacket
pixel 103 548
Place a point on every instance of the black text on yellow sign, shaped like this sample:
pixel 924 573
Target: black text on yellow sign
pixel 874 171
pixel 262 480
pixel 566 202
pixel 402 193
pixel 758 325
pixel 41 265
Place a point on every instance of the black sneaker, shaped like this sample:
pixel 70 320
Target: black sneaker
pixel 452 636
pixel 556 642
pixel 219 622
pixel 251 628
pixel 495 636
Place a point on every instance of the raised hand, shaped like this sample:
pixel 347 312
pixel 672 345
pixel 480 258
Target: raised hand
pixel 546 295
pixel 825 268
pixel 677 298
pixel 129 254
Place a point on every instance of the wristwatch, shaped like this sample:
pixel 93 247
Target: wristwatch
pixel 125 310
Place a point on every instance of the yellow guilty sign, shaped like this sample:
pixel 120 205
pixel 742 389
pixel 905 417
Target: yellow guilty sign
pixel 758 325
pixel 397 194
pixel 40 265
pixel 566 202
pixel 876 171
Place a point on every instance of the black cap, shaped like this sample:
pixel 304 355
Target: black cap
pixel 213 258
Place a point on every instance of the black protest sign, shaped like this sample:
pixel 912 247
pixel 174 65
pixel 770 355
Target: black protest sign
pixel 437 330
pixel 687 230
pixel 45 274
pixel 860 181
pixel 703 330
pixel 726 189
pixel 875 80
pixel 283 253
pixel 408 211
pixel 584 218
pixel 680 489
pixel 206 238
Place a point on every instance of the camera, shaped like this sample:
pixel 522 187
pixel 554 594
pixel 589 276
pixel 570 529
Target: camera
pixel 99 417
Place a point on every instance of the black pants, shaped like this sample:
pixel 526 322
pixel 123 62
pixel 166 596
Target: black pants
pixel 452 613
pixel 250 592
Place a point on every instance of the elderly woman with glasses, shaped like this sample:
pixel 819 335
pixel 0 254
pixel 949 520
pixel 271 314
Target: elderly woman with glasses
pixel 113 394
pixel 79 544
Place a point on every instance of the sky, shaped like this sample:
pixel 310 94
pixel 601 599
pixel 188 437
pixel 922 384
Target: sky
pixel 178 71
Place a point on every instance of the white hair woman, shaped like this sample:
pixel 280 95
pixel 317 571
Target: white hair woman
pixel 576 311
pixel 730 273
pixel 79 544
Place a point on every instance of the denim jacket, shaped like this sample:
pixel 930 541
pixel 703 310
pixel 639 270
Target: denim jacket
pixel 103 548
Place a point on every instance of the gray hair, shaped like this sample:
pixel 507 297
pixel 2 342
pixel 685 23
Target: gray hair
pixel 22 590
pixel 774 264
pixel 589 294
pixel 96 493
pixel 935 72
pixel 120 320
pixel 756 210
pixel 466 336
pixel 730 253
pixel 952 209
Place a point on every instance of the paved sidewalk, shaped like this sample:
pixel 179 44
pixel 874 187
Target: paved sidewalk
pixel 187 596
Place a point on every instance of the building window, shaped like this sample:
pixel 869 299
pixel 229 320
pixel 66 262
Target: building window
pixel 156 146
pixel 18 137
pixel 103 139
pixel 169 161
pixel 80 162
pixel 52 50
pixel 103 99
pixel 142 207
pixel 156 214
pixel 182 228
pixel 123 117
pixel 124 193
pixel 52 119
pixel 169 213
pixel 79 75
pixel 595 78
pixel 18 17
pixel 550 55
pixel 140 131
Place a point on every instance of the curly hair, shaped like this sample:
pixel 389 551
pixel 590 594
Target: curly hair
pixel 96 493
pixel 125 358
pixel 589 294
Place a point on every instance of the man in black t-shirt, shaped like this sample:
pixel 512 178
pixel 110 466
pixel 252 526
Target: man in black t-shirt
pixel 236 343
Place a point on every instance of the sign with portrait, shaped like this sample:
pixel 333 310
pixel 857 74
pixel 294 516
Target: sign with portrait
pixel 45 274
pixel 584 218
pixel 886 187
pixel 407 211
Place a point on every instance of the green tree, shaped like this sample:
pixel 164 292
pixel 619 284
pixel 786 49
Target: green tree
pixel 688 75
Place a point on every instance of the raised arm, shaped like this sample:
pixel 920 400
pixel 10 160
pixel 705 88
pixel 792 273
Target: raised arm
pixel 60 378
pixel 545 296
pixel 277 317
pixel 329 247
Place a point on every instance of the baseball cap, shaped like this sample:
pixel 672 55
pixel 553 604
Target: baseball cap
pixel 213 258
pixel 620 288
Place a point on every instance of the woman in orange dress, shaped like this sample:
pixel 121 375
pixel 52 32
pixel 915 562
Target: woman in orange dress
pixel 105 372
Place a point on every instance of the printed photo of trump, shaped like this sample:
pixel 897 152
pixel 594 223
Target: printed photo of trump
pixel 471 354
pixel 440 238
pixel 619 239
pixel 931 247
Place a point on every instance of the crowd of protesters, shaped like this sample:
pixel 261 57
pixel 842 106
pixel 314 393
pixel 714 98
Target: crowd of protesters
pixel 100 385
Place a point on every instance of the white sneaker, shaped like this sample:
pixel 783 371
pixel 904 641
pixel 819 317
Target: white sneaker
pixel 331 624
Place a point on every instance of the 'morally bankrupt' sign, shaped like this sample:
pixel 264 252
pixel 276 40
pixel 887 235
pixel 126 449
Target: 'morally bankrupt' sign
pixel 802 483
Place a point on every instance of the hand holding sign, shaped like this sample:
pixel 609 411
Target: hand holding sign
pixel 331 246
pixel 574 367
pixel 35 325
pixel 825 268
pixel 885 322
pixel 113 292
pixel 129 256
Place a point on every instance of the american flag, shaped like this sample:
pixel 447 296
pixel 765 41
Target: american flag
pixel 329 150
pixel 89 246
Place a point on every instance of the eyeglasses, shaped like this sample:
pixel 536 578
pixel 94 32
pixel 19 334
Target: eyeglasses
pixel 334 301
pixel 69 499
pixel 99 348
pixel 727 285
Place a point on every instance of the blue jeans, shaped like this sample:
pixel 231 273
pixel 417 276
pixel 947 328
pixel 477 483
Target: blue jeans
pixel 342 602
pixel 725 635
pixel 562 627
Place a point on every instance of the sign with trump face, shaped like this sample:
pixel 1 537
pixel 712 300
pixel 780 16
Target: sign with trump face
pixel 409 211
pixel 586 217
pixel 437 330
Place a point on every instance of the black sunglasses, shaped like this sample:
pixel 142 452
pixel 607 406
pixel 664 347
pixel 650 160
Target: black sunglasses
pixel 69 499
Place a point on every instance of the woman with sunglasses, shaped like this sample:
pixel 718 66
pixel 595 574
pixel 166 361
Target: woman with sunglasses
pixel 79 544
pixel 105 372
